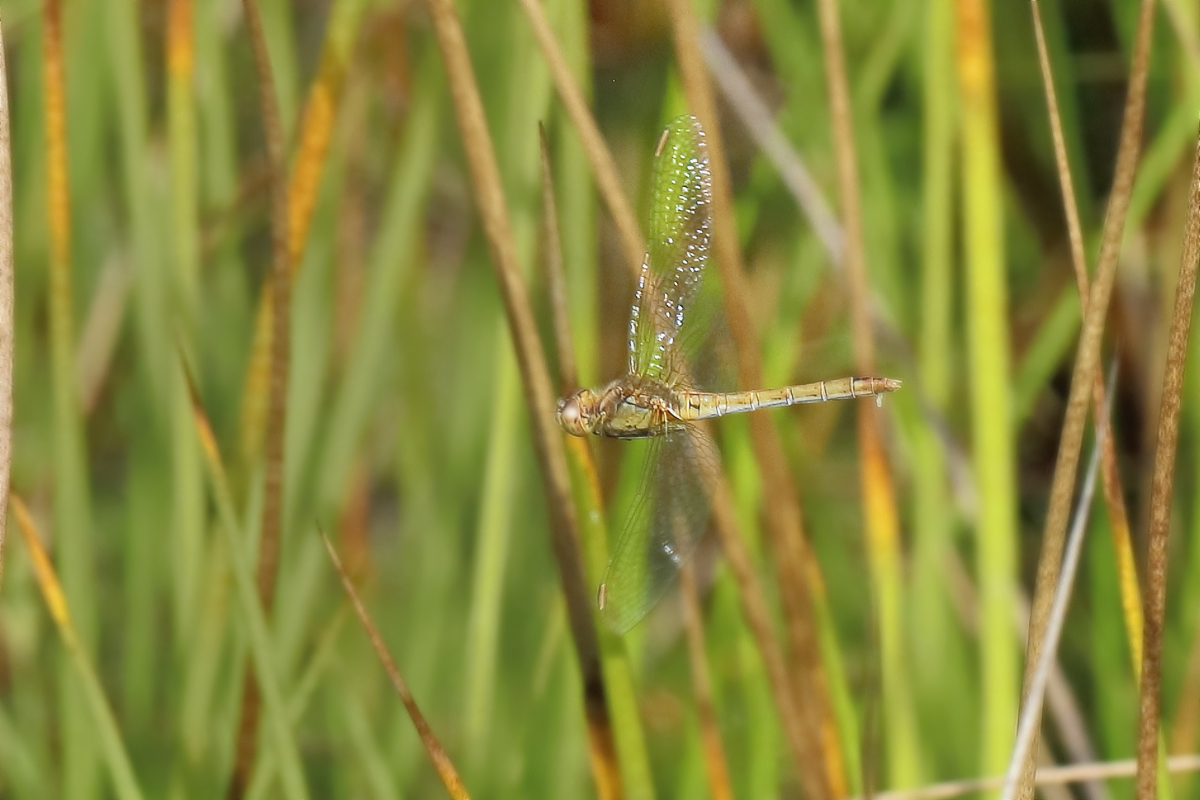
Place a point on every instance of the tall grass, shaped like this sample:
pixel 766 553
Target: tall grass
pixel 232 331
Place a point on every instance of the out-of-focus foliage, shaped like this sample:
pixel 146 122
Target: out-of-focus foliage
pixel 407 436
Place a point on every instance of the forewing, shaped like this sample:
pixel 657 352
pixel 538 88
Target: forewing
pixel 667 521
pixel 678 252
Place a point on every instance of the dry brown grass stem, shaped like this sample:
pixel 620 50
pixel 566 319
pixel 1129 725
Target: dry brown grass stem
pixel 715 763
pixel 1114 498
pixel 1160 495
pixel 539 396
pixel 556 283
pixel 1065 184
pixel 1064 707
pixel 312 144
pixel 760 123
pixel 801 731
pixel 7 322
pixel 602 750
pixel 880 515
pixel 604 169
pixel 280 287
pixel 802 696
pixel 602 753
pixel 1046 776
pixel 1043 671
pixel 849 195
pixel 437 754
pixel 1088 357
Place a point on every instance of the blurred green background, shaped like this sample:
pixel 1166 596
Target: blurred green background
pixel 407 436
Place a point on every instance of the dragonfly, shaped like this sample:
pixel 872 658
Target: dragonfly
pixel 674 318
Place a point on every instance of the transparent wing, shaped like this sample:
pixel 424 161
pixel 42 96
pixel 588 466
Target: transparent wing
pixel 678 251
pixel 667 521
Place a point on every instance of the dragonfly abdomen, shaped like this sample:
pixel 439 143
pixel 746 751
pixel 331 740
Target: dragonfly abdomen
pixel 705 405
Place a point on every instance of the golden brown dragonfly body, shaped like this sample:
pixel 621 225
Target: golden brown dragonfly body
pixel 634 406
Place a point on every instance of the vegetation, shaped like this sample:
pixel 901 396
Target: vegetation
pixel 284 268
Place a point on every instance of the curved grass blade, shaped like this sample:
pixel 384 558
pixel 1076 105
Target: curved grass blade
pixel 279 734
pixel 437 754
pixel 108 734
pixel 302 692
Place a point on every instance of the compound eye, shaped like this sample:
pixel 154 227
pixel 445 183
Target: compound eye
pixel 570 416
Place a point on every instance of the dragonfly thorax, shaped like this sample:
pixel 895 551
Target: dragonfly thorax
pixel 631 407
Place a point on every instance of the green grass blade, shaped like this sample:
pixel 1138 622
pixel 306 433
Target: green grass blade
pixel 991 413
pixel 277 724
pixel 493 530
pixel 72 496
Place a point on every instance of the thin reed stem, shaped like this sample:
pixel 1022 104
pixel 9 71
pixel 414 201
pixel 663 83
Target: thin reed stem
pixel 715 763
pixel 437 754
pixel 539 397
pixel 1113 494
pixel 1088 355
pixel 280 286
pixel 881 517
pixel 1149 710
pixel 818 757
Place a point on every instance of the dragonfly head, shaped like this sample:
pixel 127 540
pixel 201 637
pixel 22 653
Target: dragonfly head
pixel 577 413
